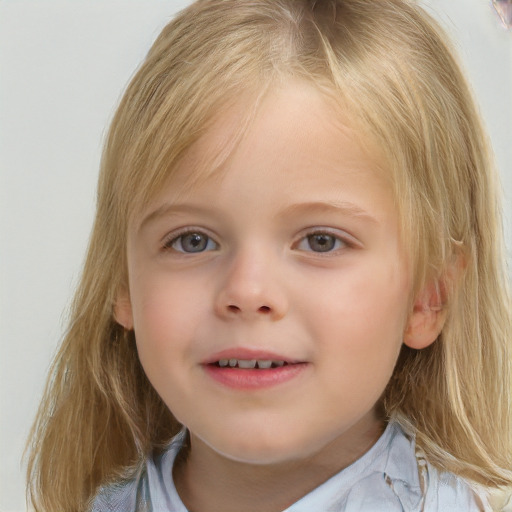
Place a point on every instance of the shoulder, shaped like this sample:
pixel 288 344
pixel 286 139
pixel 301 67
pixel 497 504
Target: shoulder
pixel 446 491
pixel 413 479
pixel 128 495
pixel 392 477
pixel 149 489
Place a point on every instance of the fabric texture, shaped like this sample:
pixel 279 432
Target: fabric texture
pixel 391 477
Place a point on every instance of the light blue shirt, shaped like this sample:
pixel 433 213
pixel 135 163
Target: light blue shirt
pixel 390 477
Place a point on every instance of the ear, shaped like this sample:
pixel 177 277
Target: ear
pixel 428 316
pixel 431 304
pixel 123 309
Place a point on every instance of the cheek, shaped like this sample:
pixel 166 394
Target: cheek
pixel 361 337
pixel 165 312
pixel 360 321
pixel 362 301
pixel 165 323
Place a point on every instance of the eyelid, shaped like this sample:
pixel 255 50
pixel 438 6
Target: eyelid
pixel 346 238
pixel 170 237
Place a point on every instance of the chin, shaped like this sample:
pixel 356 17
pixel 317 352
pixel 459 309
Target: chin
pixel 260 450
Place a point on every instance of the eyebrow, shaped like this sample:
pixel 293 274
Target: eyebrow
pixel 168 209
pixel 337 207
pixel 319 207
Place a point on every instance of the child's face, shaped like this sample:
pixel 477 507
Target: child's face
pixel 290 253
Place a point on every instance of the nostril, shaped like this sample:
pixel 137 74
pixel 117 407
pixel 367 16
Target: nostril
pixel 232 308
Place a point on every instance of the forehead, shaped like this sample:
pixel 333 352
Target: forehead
pixel 292 128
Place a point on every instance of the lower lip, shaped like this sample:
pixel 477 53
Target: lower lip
pixel 237 378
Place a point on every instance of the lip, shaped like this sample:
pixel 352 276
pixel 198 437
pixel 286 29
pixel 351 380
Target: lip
pixel 247 353
pixel 252 379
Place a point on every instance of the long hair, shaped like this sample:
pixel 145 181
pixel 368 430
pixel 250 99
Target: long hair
pixel 388 64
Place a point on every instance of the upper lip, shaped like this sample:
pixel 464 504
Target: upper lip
pixel 249 354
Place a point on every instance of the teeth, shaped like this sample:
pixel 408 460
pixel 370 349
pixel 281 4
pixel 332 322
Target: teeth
pixel 247 364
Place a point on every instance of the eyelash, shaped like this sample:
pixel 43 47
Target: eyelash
pixel 340 242
pixel 337 242
pixel 175 238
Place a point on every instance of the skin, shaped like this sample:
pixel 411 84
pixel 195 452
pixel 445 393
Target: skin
pixel 262 284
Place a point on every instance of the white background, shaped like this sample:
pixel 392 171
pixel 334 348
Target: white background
pixel 63 65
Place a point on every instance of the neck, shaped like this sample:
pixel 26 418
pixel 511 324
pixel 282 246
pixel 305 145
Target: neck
pixel 210 482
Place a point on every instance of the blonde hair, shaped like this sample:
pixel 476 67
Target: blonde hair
pixel 389 65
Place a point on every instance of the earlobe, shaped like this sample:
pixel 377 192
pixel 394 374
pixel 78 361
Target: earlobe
pixel 427 318
pixel 123 310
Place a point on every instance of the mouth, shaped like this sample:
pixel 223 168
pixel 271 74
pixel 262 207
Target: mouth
pixel 250 364
pixel 250 370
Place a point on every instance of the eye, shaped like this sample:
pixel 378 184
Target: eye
pixel 191 242
pixel 321 242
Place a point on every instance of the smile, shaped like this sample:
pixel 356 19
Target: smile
pixel 263 364
pixel 247 370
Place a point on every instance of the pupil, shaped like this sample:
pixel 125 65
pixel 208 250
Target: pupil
pixel 194 242
pixel 321 243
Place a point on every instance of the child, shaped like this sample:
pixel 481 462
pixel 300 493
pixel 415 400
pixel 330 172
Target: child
pixel 295 296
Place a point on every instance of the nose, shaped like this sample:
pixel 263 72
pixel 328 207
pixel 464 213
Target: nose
pixel 250 288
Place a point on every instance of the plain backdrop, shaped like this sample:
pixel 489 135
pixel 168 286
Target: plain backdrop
pixel 63 66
